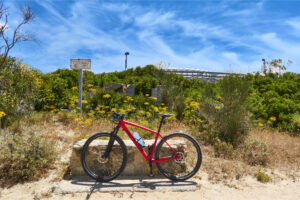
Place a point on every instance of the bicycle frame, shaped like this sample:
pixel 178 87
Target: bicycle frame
pixel 123 124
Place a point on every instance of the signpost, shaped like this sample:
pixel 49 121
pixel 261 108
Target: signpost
pixel 80 64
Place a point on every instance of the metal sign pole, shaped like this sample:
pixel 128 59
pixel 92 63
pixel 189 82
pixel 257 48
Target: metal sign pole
pixel 80 91
pixel 80 64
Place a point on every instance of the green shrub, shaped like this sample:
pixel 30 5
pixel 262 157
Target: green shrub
pixel 227 113
pixel 275 97
pixel 296 124
pixel 223 149
pixel 262 177
pixel 24 157
pixel 255 152
pixel 18 86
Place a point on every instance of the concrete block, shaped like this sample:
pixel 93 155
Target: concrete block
pixel 136 163
pixel 130 91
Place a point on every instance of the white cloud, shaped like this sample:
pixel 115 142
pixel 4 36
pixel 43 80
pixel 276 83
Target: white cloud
pixel 154 19
pixel 146 34
pixel 294 23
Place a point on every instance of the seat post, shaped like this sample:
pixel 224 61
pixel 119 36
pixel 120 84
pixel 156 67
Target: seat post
pixel 161 122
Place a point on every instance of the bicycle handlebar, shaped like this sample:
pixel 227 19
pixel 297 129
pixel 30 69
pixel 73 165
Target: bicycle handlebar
pixel 117 116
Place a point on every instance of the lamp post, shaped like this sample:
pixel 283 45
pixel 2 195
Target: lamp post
pixel 126 54
pixel 264 70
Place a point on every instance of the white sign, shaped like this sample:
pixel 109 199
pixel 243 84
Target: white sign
pixel 80 63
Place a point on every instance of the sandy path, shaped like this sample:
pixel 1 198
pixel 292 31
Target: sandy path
pixel 248 188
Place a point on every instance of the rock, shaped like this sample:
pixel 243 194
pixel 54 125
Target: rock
pixel 130 90
pixel 157 92
pixel 117 87
pixel 136 163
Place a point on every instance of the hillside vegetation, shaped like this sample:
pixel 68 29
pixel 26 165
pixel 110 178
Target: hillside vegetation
pixel 220 114
pixel 272 100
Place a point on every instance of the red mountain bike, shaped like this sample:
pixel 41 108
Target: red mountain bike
pixel 178 156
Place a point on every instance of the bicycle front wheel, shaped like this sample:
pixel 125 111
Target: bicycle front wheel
pixel 100 168
pixel 189 161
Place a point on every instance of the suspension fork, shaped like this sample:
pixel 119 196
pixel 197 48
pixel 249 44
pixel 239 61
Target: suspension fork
pixel 111 141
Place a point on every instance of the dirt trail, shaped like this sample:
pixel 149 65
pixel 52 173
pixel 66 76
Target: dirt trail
pixel 286 187
pixel 246 188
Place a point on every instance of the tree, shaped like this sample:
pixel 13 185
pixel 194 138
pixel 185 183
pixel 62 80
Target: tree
pixel 277 63
pixel 9 40
pixel 275 66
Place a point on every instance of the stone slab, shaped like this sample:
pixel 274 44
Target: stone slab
pixel 85 185
pixel 130 91
pixel 136 164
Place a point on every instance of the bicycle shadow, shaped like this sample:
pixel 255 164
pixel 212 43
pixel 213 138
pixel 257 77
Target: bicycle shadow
pixel 124 184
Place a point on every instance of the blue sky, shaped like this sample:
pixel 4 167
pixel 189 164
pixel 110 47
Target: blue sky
pixel 225 36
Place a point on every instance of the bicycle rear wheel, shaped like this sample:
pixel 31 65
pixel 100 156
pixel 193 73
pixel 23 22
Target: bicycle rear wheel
pixel 99 168
pixel 190 154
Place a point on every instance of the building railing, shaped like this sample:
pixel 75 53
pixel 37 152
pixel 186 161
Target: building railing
pixel 200 74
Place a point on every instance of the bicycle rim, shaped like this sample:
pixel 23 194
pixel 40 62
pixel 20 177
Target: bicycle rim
pixel 190 156
pixel 100 168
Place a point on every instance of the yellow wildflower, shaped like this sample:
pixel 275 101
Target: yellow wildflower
pixel 121 110
pixel 128 109
pixel 114 110
pixel 146 103
pixel 162 104
pixel 90 85
pixel 92 90
pixel 147 95
pixel 125 101
pixel 77 119
pixel 155 109
pixel 260 124
pixel 194 104
pixel 2 114
pixel 129 98
pixel 148 114
pixel 217 107
pixel 91 114
pixel 51 107
pixel 272 118
pixel 49 134
pixel 88 121
pixel 106 96
pixel 153 98
pixel 75 88
pixel 84 102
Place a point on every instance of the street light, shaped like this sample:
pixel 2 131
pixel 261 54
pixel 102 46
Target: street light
pixel 126 54
pixel 264 70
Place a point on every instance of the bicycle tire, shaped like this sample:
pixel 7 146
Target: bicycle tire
pixel 188 149
pixel 98 168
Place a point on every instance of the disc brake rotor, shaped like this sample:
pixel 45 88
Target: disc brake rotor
pixel 181 158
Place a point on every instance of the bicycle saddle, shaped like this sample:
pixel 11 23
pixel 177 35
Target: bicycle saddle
pixel 164 115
